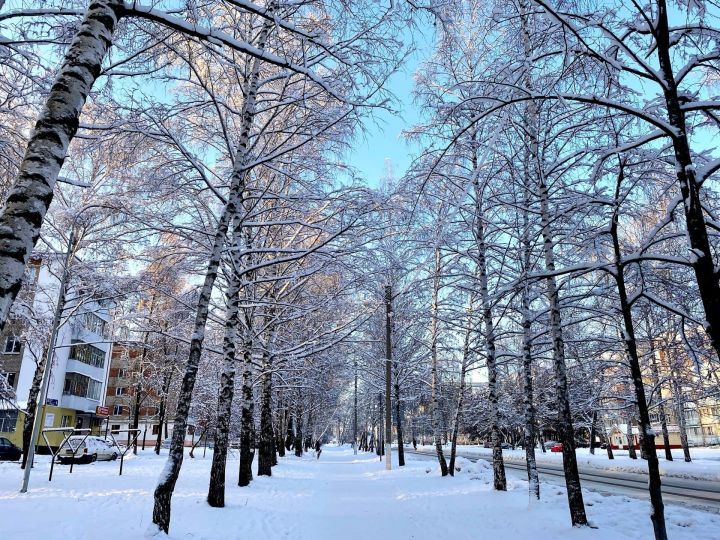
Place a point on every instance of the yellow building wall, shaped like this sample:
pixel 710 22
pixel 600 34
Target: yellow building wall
pixel 52 418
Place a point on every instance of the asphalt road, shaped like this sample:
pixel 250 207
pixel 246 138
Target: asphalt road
pixel 697 493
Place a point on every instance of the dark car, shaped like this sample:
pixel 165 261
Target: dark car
pixel 8 451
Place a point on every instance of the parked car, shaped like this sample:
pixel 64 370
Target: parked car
pixel 557 447
pixel 549 444
pixel 487 444
pixel 88 451
pixel 505 446
pixel 8 451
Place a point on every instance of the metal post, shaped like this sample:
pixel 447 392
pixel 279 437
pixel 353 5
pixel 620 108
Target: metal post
pixel 388 375
pixel 40 410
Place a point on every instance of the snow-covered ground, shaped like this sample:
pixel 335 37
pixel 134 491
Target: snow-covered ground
pixel 341 496
pixel 705 464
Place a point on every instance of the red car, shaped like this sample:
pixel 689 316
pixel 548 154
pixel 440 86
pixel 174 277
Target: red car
pixel 557 447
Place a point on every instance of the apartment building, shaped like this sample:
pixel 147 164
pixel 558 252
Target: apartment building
pixel 81 360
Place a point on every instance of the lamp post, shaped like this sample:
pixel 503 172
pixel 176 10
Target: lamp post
pixel 355 445
pixel 388 375
pixel 42 398
pixel 57 317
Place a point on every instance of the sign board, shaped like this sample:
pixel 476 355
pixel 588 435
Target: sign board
pixel 102 411
pixel 53 402
pixel 49 419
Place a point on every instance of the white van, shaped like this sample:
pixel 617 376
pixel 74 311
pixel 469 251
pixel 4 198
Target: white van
pixel 87 451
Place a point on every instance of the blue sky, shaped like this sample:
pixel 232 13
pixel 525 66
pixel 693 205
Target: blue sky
pixel 382 139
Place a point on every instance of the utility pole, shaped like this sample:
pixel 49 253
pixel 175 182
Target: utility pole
pixel 355 415
pixel 388 376
pixel 42 398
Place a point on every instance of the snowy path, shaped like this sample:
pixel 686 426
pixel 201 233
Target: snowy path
pixel 341 496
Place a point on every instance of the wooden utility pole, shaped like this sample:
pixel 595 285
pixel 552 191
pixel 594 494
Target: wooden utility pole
pixel 388 375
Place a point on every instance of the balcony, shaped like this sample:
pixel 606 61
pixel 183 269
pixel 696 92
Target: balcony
pixel 78 403
pixel 76 366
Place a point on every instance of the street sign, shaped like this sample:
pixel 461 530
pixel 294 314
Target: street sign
pixel 102 410
pixel 53 402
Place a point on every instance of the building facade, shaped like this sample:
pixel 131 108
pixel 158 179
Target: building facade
pixel 81 360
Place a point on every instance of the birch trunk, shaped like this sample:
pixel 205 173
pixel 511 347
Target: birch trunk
pixel 216 487
pixel 28 200
pixel 461 390
pixel 163 407
pixel 705 274
pixel 499 481
pixel 265 447
pixel 661 405
pixel 32 407
pixel 434 382
pixel 565 425
pixel 290 437
pixel 168 478
pixel 647 438
pixel 247 419
pixel 298 441
pixel 528 394
pixel 680 413
pixel 632 454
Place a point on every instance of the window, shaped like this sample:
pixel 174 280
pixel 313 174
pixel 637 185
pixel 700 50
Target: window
pixel 87 354
pixel 115 428
pixel 95 324
pixel 117 411
pixel 82 386
pixel 66 420
pixel 94 389
pixel 9 377
pixel 8 421
pixel 120 391
pixel 156 429
pixel 12 345
pixel 121 372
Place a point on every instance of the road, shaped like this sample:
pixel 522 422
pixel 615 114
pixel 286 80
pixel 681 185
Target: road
pixel 696 493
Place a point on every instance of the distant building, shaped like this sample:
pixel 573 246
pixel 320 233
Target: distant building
pixel 681 390
pixel 81 361
pixel 136 382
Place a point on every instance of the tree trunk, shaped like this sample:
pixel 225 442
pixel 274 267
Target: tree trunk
pixel 661 405
pixel 216 487
pixel 265 448
pixel 707 278
pixel 31 194
pixel 246 421
pixel 168 478
pixel 593 432
pixel 461 390
pixel 32 407
pixel 680 413
pixel 298 433
pixel 290 437
pixel 280 443
pixel 647 439
pixel 499 481
pixel 163 408
pixel 629 436
pixel 434 382
pixel 528 395
pixel 565 425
